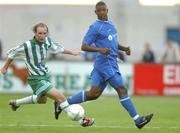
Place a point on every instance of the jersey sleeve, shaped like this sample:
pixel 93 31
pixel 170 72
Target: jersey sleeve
pixel 54 47
pixel 17 52
pixel 90 36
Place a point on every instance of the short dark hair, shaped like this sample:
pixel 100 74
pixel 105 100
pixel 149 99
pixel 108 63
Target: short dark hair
pixel 39 25
pixel 100 3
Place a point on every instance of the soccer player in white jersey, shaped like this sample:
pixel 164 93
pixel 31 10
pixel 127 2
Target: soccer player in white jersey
pixel 34 54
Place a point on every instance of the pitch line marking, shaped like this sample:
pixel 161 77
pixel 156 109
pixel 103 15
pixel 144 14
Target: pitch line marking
pixel 77 126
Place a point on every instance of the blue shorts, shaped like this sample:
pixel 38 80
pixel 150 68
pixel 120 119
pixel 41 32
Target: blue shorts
pixel 99 80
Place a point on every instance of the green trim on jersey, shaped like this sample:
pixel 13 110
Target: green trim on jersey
pixel 49 41
pixel 28 59
pixel 36 54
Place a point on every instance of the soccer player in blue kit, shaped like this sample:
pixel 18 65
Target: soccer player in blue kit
pixel 103 35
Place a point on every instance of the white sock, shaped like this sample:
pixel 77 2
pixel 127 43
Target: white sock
pixel 27 100
pixel 64 105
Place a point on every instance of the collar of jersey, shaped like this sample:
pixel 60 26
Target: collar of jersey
pixel 36 41
pixel 103 21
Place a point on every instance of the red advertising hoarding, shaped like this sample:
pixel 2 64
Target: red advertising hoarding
pixel 171 80
pixel 156 79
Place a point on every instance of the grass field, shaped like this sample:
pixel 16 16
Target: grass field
pixel 109 115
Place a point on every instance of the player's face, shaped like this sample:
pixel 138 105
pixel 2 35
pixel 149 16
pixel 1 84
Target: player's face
pixel 41 33
pixel 101 12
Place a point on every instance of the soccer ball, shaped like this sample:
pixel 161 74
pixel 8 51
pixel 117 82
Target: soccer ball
pixel 75 112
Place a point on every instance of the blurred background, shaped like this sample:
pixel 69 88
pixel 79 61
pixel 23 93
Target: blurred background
pixel 150 27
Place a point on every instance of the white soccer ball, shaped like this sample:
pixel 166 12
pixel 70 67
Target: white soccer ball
pixel 75 112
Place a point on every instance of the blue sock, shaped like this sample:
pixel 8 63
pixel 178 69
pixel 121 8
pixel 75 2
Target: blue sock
pixel 77 98
pixel 128 105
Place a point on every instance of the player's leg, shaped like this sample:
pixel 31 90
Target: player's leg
pixel 80 97
pixel 96 90
pixel 125 100
pixel 38 86
pixel 84 96
pixel 43 87
pixel 15 104
pixel 61 101
pixel 57 96
pixel 117 83
pixel 97 87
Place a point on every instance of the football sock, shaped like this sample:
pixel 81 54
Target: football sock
pixel 77 98
pixel 64 105
pixel 27 100
pixel 128 105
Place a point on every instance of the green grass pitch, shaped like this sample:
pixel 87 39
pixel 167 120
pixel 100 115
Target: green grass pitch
pixel 110 117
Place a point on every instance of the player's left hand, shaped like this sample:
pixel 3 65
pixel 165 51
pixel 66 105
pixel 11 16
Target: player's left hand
pixel 128 51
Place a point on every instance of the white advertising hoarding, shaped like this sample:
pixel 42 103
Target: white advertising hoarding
pixel 70 77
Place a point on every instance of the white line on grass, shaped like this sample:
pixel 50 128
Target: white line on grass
pixel 77 126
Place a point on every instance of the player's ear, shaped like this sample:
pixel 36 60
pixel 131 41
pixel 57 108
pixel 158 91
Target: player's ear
pixel 95 12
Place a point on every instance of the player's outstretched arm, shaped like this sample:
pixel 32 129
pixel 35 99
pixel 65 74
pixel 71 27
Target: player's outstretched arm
pixel 72 52
pixel 125 49
pixel 6 66
pixel 88 48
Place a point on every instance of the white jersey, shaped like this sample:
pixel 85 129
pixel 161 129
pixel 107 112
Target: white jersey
pixel 35 54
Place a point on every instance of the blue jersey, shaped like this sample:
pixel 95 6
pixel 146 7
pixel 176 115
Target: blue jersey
pixel 103 34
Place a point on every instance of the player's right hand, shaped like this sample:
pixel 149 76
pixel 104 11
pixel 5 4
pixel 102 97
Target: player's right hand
pixel 105 51
pixel 3 71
